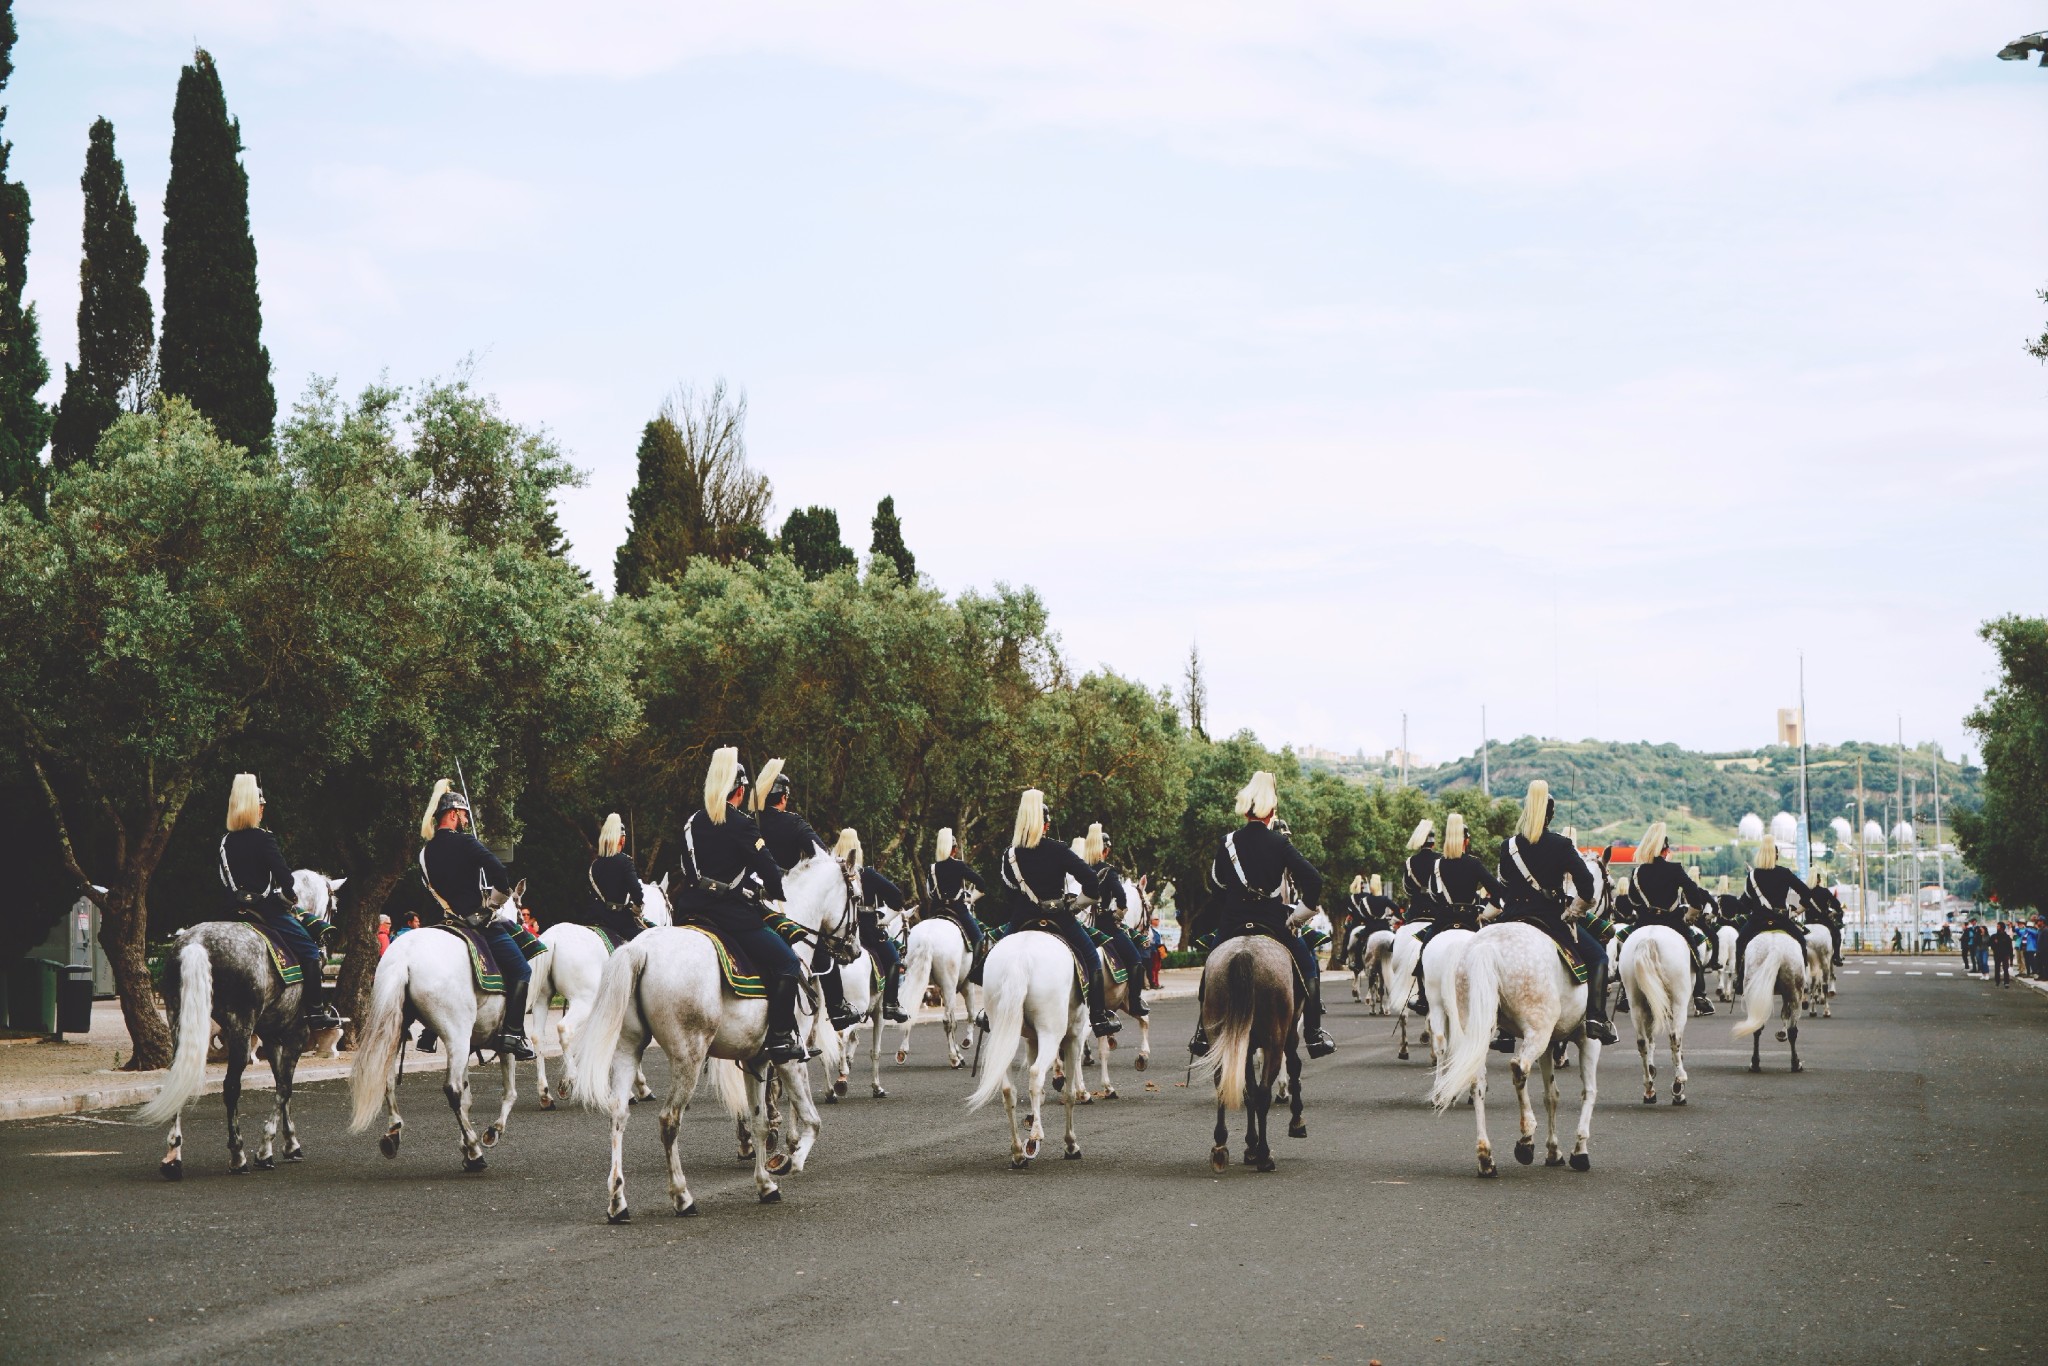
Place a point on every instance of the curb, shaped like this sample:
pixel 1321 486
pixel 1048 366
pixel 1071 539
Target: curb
pixel 124 1095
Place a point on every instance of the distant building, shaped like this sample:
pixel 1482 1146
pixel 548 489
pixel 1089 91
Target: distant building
pixel 1788 727
pixel 1750 827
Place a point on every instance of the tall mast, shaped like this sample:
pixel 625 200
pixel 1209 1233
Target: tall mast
pixel 1862 859
pixel 1404 749
pixel 1940 872
pixel 1485 782
pixel 1805 860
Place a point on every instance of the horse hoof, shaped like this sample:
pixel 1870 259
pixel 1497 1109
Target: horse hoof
pixel 1756 1067
pixel 1649 1098
pixel 839 1087
pixel 172 1171
pixel 955 1063
pixel 1110 1093
pixel 1018 1164
pixel 1072 1154
pixel 771 1197
pixel 903 1055
pixel 388 1145
pixel 623 1216
pixel 1798 1067
pixel 474 1164
pixel 1219 1159
pixel 1582 1162
pixel 1141 1061
pixel 1677 1099
pixel 1297 1131
pixel 548 1102
pixel 238 1171
pixel 688 1211
pixel 831 1098
pixel 1554 1160
pixel 1525 1152
pixel 1781 1036
pixel 1030 1148
pixel 1402 1055
pixel 492 1135
pixel 265 1164
pixel 1488 1169
pixel 1059 1083
pixel 778 1164
pixel 1265 1164
pixel 880 1094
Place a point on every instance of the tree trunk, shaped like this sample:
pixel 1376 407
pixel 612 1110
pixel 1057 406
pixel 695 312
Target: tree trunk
pixel 124 934
pixel 358 926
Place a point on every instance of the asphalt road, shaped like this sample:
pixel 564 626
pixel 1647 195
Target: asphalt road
pixel 1882 1206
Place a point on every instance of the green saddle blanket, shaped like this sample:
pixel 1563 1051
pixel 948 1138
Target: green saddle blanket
pixel 733 965
pixel 483 965
pixel 1048 925
pixel 289 970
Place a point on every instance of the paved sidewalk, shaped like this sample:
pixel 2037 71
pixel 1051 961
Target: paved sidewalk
pixel 83 1073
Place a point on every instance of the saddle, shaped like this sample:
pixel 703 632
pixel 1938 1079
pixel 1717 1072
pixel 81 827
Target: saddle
pixel 483 964
pixel 1561 936
pixel 290 971
pixel 741 978
pixel 1050 924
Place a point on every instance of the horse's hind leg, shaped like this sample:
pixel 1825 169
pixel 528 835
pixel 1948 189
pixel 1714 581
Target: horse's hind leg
pixel 1295 1128
pixel 1678 1077
pixel 1073 1046
pixel 805 1121
pixel 1486 1167
pixel 1646 1049
pixel 1792 1038
pixel 388 1144
pixel 1219 1142
pixel 497 1129
pixel 1518 1070
pixel 757 1116
pixel 173 1165
pixel 456 1089
pixel 284 1061
pixel 237 1042
pixel 1551 1156
pixel 682 1080
pixel 1589 1092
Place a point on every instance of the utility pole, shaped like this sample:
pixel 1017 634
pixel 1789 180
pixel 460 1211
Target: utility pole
pixel 1805 859
pixel 1485 783
pixel 1913 884
pixel 1404 749
pixel 1940 872
pixel 1862 861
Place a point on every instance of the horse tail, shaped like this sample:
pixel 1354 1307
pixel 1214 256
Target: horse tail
pixel 1759 993
pixel 1007 997
pixel 1469 1024
pixel 1229 1058
pixel 917 973
pixel 617 991
pixel 1653 987
pixel 195 1031
pixel 831 1048
pixel 378 1043
pixel 732 1087
pixel 540 1001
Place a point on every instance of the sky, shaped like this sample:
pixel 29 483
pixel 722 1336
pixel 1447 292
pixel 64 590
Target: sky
pixel 1587 363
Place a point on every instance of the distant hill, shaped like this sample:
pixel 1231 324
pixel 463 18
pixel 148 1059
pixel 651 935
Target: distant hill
pixel 1611 791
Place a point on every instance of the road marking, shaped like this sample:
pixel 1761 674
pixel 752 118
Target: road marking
pixel 1852 972
pixel 81 1152
pixel 1916 974
pixel 1884 972
pixel 1944 974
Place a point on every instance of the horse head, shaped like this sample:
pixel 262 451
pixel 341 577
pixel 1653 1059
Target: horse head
pixel 655 906
pixel 505 905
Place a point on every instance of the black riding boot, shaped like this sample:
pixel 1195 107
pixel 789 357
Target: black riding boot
pixel 1099 1019
pixel 511 1037
pixel 427 1041
pixel 836 1009
pixel 314 1010
pixel 1700 1004
pixel 1597 1026
pixel 1134 991
pixel 1320 1045
pixel 781 1044
pixel 1420 1005
pixel 1198 1046
pixel 892 996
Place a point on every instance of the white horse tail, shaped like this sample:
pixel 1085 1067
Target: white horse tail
pixel 1759 993
pixel 1007 997
pixel 1470 1024
pixel 1651 985
pixel 732 1086
pixel 195 1032
pixel 917 972
pixel 617 992
pixel 1228 1059
pixel 378 1044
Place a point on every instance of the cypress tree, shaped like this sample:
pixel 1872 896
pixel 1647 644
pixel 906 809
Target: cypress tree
pixel 24 422
pixel 116 327
pixel 660 508
pixel 212 351
pixel 811 538
pixel 695 494
pixel 888 540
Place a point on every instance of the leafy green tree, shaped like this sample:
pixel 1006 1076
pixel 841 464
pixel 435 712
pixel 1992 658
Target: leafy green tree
pixel 888 540
pixel 212 352
pixel 24 421
pixel 695 494
pixel 116 324
pixel 2038 348
pixel 810 537
pixel 2006 840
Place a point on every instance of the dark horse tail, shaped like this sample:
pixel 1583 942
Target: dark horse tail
pixel 1240 1001
pixel 190 976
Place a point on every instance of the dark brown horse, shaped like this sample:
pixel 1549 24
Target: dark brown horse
pixel 1249 1009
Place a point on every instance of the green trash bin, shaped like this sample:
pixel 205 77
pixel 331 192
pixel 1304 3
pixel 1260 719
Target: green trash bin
pixel 32 996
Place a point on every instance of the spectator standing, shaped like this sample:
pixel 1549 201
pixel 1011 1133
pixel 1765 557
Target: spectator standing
pixel 383 934
pixel 1969 945
pixel 411 922
pixel 1898 942
pixel 2001 955
pixel 1155 952
pixel 1984 949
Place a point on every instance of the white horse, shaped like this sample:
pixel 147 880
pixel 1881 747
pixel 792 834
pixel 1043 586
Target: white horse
pixel 666 987
pixel 1724 939
pixel 317 893
pixel 1774 971
pixel 1439 962
pixel 1656 972
pixel 427 974
pixel 571 968
pixel 1398 972
pixel 937 955
pixel 1030 983
pixel 864 999
pixel 1132 914
pixel 1513 972
pixel 1820 972
pixel 1370 956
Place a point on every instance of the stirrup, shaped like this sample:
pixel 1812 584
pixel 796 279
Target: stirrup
pixel 514 1046
pixel 1198 1046
pixel 1601 1030
pixel 784 1048
pixel 842 1017
pixel 1105 1026
pixel 322 1016
pixel 896 1013
pixel 1702 1006
pixel 1320 1044
pixel 1418 1008
pixel 1503 1043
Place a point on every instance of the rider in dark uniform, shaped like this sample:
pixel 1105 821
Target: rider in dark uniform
pixel 877 891
pixel 791 840
pixel 1109 908
pixel 728 876
pixel 1825 908
pixel 1252 862
pixel 1461 891
pixel 615 892
pixel 259 882
pixel 458 870
pixel 1541 871
pixel 950 879
pixel 1035 871
pixel 1771 897
pixel 1418 874
pixel 1663 893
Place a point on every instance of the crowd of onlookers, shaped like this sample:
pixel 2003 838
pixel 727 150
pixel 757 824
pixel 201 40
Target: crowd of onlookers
pixel 1991 949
